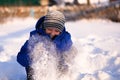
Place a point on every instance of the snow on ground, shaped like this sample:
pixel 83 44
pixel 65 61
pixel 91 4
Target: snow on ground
pixel 85 1
pixel 97 42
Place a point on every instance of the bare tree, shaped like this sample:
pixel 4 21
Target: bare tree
pixel 88 2
pixel 76 2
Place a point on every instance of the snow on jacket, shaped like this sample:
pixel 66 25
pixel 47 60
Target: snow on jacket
pixel 62 42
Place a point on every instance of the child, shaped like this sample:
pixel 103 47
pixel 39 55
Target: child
pixel 51 27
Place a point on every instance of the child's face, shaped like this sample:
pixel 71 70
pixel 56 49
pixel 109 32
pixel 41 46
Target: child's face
pixel 52 32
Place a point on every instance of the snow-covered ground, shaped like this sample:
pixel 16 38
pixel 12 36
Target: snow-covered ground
pixel 97 42
pixel 91 1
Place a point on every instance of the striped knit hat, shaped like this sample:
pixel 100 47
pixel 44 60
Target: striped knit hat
pixel 54 19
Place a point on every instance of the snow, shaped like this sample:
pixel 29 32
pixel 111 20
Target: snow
pixel 85 1
pixel 97 42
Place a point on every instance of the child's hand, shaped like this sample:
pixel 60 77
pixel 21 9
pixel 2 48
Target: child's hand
pixel 63 68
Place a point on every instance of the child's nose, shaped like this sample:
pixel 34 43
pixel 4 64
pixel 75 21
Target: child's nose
pixel 52 33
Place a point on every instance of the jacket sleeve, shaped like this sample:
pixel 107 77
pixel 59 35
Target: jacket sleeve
pixel 64 42
pixel 23 56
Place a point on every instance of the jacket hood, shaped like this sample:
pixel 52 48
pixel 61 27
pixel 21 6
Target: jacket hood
pixel 39 23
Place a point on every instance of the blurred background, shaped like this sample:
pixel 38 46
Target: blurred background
pixel 73 9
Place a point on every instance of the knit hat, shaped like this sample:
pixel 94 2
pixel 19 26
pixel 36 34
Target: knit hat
pixel 54 19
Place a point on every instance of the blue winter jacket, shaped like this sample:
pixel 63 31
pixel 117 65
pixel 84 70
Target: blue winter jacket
pixel 63 43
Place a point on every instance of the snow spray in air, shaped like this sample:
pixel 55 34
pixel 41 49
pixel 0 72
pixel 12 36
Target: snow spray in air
pixel 45 61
